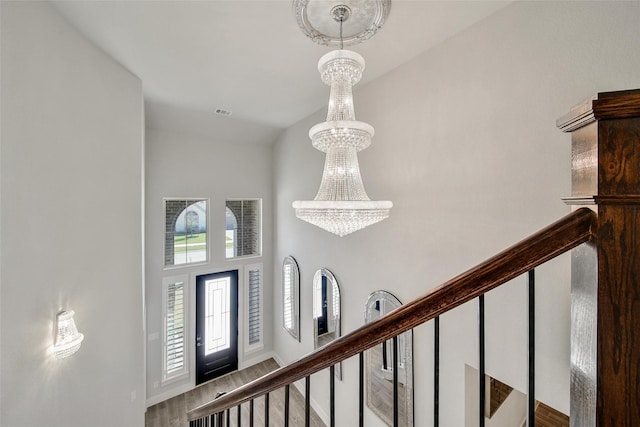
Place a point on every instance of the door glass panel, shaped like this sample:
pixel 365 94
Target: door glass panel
pixel 217 315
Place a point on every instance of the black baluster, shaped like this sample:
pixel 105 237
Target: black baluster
pixel 266 410
pixel 436 371
pixel 239 415
pixel 332 396
pixel 481 372
pixel 286 405
pixel 228 411
pixel 531 398
pixel 361 391
pixel 251 413
pixel 307 401
pixel 395 382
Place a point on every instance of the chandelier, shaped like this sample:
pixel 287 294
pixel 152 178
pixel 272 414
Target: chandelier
pixel 342 205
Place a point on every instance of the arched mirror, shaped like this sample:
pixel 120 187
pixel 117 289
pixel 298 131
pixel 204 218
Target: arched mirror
pixel 291 297
pixel 326 310
pixel 379 366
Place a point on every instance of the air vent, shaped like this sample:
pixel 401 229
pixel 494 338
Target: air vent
pixel 223 112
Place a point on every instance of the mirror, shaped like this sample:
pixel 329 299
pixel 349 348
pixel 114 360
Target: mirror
pixel 326 311
pixel 379 366
pixel 291 297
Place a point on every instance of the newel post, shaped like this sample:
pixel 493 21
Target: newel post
pixel 605 284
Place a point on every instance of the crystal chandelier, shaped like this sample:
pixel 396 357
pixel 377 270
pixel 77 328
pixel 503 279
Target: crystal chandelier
pixel 341 205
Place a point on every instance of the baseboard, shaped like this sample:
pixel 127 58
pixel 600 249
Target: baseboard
pixel 154 400
pixel 246 363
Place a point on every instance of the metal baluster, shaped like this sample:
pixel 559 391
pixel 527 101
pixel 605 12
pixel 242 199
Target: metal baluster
pixel 481 372
pixel 266 410
pixel 239 415
pixel 286 405
pixel 251 413
pixel 332 396
pixel 395 382
pixel 307 401
pixel 220 420
pixel 228 411
pixel 436 372
pixel 361 391
pixel 531 397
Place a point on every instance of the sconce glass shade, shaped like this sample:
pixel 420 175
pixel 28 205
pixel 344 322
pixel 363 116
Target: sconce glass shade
pixel 341 205
pixel 68 339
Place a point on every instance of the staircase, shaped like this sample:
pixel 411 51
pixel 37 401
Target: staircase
pixel 603 230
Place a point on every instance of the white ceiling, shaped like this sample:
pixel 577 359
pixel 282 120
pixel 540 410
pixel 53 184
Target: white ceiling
pixel 248 57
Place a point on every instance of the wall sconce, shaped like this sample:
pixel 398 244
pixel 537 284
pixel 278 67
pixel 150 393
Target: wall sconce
pixel 68 339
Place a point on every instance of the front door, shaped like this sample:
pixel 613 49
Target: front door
pixel 216 325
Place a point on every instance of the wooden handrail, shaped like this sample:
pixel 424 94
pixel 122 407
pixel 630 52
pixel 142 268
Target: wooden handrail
pixel 561 236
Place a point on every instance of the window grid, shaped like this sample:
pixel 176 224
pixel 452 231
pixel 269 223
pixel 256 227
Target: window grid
pixel 174 330
pixel 186 234
pixel 255 331
pixel 254 307
pixel 243 236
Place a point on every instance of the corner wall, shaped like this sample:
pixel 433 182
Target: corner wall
pixel 71 175
pixel 467 149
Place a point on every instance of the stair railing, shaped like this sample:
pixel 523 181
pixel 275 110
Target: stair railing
pixel 556 239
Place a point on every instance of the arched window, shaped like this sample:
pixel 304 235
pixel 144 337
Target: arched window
pixel 185 231
pixel 230 233
pixel 243 234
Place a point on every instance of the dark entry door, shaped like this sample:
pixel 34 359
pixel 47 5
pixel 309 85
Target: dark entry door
pixel 216 325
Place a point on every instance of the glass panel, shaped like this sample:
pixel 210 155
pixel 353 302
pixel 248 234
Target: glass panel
pixel 217 315
pixel 379 366
pixel 290 297
pixel 326 311
pixel 175 328
pixel 185 231
pixel 255 321
pixel 243 234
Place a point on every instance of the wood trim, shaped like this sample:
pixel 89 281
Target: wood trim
pixel 605 105
pixel 561 236
pixel 602 200
pixel 579 200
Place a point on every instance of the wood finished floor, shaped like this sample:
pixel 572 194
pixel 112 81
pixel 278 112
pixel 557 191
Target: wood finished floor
pixel 173 412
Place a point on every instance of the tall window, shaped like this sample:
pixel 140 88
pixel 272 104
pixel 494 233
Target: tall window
pixel 253 279
pixel 185 231
pixel 243 234
pixel 174 331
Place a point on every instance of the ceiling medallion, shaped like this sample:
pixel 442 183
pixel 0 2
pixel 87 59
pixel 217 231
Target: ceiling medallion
pixel 364 19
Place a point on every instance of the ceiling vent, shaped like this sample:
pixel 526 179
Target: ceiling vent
pixel 223 112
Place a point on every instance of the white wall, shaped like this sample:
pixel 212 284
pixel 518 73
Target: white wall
pixel 467 149
pixel 187 165
pixel 511 412
pixel 72 143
